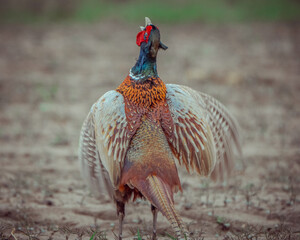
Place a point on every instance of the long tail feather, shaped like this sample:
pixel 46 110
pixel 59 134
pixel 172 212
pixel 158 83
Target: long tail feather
pixel 160 195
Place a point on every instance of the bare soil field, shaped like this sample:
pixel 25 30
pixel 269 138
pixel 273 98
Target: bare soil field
pixel 50 75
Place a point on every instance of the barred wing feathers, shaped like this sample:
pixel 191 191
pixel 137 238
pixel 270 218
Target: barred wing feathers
pixel 226 136
pixel 193 142
pixel 205 132
pixel 92 169
pixel 103 143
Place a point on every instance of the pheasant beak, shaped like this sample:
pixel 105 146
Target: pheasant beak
pixel 162 46
pixel 147 23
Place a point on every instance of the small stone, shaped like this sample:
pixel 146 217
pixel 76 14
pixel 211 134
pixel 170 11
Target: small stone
pixel 49 203
pixel 187 206
pixel 227 225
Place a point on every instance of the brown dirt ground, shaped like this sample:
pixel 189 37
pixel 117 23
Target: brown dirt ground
pixel 51 75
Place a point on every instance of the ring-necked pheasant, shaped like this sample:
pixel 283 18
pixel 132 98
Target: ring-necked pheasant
pixel 133 136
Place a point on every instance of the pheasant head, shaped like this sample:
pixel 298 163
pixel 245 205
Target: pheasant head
pixel 148 39
pixel 143 87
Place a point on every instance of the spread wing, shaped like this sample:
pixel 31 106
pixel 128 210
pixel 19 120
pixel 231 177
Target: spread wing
pixel 103 143
pixel 204 132
pixel 226 135
pixel 193 142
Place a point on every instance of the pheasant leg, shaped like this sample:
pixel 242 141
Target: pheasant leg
pixel 121 214
pixel 154 213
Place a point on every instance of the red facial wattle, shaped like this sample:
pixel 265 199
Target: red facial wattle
pixel 143 36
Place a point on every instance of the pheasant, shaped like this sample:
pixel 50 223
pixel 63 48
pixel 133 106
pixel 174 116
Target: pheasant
pixel 134 138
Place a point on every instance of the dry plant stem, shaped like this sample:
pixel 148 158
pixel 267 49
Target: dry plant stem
pixel 12 233
pixel 121 214
pixel 154 213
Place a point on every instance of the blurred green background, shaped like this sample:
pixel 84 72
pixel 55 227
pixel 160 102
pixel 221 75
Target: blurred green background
pixel 169 11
